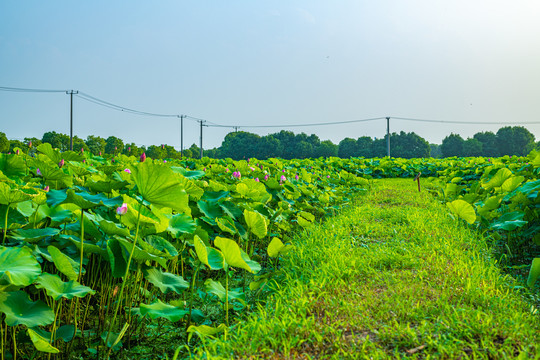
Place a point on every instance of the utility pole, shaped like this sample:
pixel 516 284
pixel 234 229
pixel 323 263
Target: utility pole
pixel 236 129
pixel 71 118
pixel 388 136
pixel 182 136
pixel 201 121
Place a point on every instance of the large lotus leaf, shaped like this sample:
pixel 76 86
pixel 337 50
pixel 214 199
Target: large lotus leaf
pixel 79 169
pixel 256 223
pixel 463 209
pixel 89 248
pixel 211 209
pixel 147 217
pixel 534 272
pixel 194 191
pixel 166 282
pixel 215 288
pixel 161 246
pixel 33 235
pixel 57 289
pixel 159 309
pixel 204 330
pixel 42 342
pixel 498 179
pixel 85 200
pixel 231 209
pixel 193 175
pixel 158 185
pixel 305 219
pixel 26 208
pixel 509 221
pixel 54 155
pixel 116 258
pixel 64 332
pixel 490 204
pixel 181 224
pixel 18 266
pixel 252 189
pixel 59 214
pixel 11 196
pixel 20 310
pixel 101 184
pixel 512 183
pixel 63 263
pixel 227 224
pixel 112 228
pixel 529 187
pixel 140 255
pixel 215 196
pixel 207 255
pixel 12 165
pixel 233 255
pixel 276 247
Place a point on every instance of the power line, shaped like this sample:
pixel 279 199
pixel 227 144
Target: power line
pixel 296 125
pixel 468 122
pixel 4 88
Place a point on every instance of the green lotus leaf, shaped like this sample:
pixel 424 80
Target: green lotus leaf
pixel 498 179
pixel 12 165
pixel 211 209
pixel 512 183
pixel 256 223
pixel 463 209
pixel 215 288
pixel 193 175
pixel 305 219
pixel 112 228
pixel 161 245
pixel 33 235
pixel 57 289
pixel 89 248
pixel 534 272
pixel 116 258
pixel 18 266
pixel 227 224
pixel 207 255
pixel 509 221
pixel 215 196
pixel 181 224
pixel 41 342
pixel 82 199
pixel 276 247
pixel 10 196
pixel 204 330
pixel 63 263
pixel 158 185
pixel 233 255
pixel 20 310
pixel 159 309
pixel 140 255
pixel 166 282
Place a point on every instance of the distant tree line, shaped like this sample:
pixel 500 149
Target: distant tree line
pixel 508 140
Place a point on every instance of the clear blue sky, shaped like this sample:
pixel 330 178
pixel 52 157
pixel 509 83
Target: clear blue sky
pixel 269 62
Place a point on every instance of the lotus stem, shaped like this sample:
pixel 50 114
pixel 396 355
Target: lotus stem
pixel 191 295
pixel 82 246
pixel 123 282
pixel 5 225
pixel 227 294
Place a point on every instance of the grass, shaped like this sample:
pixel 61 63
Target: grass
pixel 393 276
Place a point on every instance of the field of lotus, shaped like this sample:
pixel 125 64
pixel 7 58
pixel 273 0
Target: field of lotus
pixel 100 253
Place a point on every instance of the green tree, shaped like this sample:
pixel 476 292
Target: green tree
pixel 35 141
pixel 489 143
pixel 435 150
pixel 95 144
pixel 57 140
pixel 114 145
pixel 17 144
pixel 514 141
pixel 4 143
pixel 408 146
pixel 472 147
pixel 156 152
pixel 348 148
pixel 326 149
pixel 240 145
pixel 452 145
pixel 363 145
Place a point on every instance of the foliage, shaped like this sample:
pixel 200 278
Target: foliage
pixel 4 143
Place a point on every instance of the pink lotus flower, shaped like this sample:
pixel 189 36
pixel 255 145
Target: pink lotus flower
pixel 18 151
pixel 252 168
pixel 128 171
pixel 121 210
pixel 265 177
pixel 100 153
pixel 227 170
pixel 38 172
pixel 82 150
pixel 129 149
pixel 328 176
pixel 296 177
pixel 84 161
pixel 283 178
pixel 46 188
pixel 283 170
pixel 257 179
pixel 204 169
pixel 112 161
pixel 143 157
pixel 61 163
pixel 115 148
pixel 164 161
pixel 237 174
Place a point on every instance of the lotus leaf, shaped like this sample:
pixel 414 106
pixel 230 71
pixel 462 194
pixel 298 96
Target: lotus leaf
pixel 20 310
pixel 18 266
pixel 57 289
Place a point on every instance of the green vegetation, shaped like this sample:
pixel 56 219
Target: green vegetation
pixel 391 277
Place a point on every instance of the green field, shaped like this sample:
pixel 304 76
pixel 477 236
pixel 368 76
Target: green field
pixel 121 257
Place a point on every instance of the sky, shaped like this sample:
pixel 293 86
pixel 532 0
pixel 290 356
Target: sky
pixel 282 62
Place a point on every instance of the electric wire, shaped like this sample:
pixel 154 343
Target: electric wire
pixel 467 122
pixel 4 88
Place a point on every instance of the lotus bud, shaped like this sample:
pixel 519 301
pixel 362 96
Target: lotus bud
pixel 265 177
pixel 46 188
pixel 18 151
pixel 82 150
pixel 61 163
pixel 38 172
pixel 296 177
pixel 283 170
pixel 128 171
pixel 115 148
pixel 112 161
pixel 121 210
pixel 29 144
pixel 100 153
pixel 143 157
pixel 283 178
pixel 204 169
pixel 227 170
pixel 257 179
pixel 129 149
pixel 164 161
pixel 162 146
pixel 84 161
pixel 328 176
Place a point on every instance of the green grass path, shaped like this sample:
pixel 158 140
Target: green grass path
pixel 391 277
